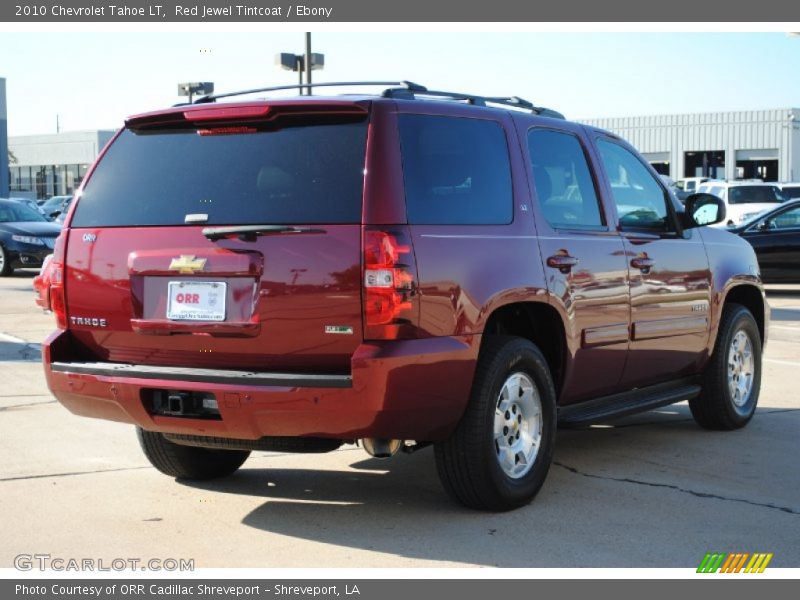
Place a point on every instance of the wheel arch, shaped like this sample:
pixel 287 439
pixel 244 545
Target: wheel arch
pixel 537 322
pixel 750 296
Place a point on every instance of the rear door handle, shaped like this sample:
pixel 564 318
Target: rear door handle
pixel 562 262
pixel 643 263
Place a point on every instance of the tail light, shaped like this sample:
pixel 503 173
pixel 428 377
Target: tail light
pixel 41 285
pixel 391 308
pixel 55 274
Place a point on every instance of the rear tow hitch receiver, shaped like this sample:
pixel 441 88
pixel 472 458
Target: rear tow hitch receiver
pixel 178 403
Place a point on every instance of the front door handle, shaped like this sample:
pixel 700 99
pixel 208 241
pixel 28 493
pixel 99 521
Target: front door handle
pixel 643 263
pixel 563 262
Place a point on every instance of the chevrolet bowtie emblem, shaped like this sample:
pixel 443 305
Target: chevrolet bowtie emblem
pixel 187 264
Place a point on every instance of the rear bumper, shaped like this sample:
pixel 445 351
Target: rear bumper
pixel 411 389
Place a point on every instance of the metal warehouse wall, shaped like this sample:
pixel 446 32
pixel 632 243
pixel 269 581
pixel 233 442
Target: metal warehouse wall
pixel 775 129
pixel 73 147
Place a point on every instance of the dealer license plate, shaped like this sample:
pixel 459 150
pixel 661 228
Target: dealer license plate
pixel 196 301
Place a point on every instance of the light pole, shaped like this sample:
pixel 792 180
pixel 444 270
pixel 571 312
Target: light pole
pixel 309 62
pixel 195 87
pixel 301 63
pixel 4 151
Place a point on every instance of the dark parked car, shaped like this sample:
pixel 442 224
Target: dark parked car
pixel 409 268
pixel 26 237
pixel 32 204
pixel 775 236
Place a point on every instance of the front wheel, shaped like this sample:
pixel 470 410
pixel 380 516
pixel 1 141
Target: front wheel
pixel 499 455
pixel 5 263
pixel 188 462
pixel 732 379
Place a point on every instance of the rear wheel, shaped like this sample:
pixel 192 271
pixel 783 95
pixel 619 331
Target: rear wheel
pixel 732 380
pixel 499 455
pixel 188 462
pixel 5 263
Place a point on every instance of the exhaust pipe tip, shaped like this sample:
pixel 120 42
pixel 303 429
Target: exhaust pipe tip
pixel 381 448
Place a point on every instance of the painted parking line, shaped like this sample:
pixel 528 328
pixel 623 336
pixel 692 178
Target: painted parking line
pixel 12 338
pixel 779 361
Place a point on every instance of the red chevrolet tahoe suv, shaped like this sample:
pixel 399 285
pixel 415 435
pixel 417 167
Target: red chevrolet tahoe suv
pixel 403 269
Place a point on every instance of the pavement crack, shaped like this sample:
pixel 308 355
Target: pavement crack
pixel 2 408
pixel 72 474
pixel 677 488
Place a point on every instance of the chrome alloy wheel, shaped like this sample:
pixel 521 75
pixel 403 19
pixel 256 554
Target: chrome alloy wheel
pixel 517 425
pixel 741 368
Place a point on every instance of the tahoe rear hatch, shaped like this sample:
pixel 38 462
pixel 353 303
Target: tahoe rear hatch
pixel 224 237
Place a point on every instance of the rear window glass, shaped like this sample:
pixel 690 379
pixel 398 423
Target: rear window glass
pixel 308 174
pixel 744 194
pixel 456 171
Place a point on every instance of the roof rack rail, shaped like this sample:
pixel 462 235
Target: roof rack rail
pixel 406 85
pixel 512 101
pixel 404 90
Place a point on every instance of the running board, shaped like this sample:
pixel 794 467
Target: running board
pixel 627 403
pixel 195 375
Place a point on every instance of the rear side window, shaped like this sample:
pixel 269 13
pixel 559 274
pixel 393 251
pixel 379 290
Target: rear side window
pixel 714 190
pixel 456 171
pixel 307 174
pixel 791 192
pixel 744 194
pixel 563 181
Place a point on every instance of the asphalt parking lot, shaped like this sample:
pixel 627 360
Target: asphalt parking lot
pixel 652 490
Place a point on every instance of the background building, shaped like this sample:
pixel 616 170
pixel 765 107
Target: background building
pixel 53 164
pixel 761 144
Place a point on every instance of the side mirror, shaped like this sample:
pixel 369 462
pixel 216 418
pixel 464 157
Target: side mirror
pixel 703 209
pixel 54 214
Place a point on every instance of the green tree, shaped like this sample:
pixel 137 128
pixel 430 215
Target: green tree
pixel 12 160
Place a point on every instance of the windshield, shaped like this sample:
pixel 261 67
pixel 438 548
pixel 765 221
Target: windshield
pixel 304 174
pixel 53 203
pixel 747 194
pixel 13 212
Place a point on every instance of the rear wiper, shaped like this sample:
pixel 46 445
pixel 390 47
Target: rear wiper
pixel 249 233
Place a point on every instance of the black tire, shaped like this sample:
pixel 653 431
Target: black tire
pixel 5 264
pixel 468 463
pixel 715 407
pixel 188 462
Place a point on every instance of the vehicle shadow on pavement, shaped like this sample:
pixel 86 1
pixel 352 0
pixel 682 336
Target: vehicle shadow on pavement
pixel 397 506
pixel 785 314
pixel 783 292
pixel 19 351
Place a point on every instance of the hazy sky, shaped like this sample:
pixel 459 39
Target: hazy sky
pixel 93 80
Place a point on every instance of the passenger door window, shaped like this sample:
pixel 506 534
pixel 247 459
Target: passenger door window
pixel 562 180
pixel 640 200
pixel 789 219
